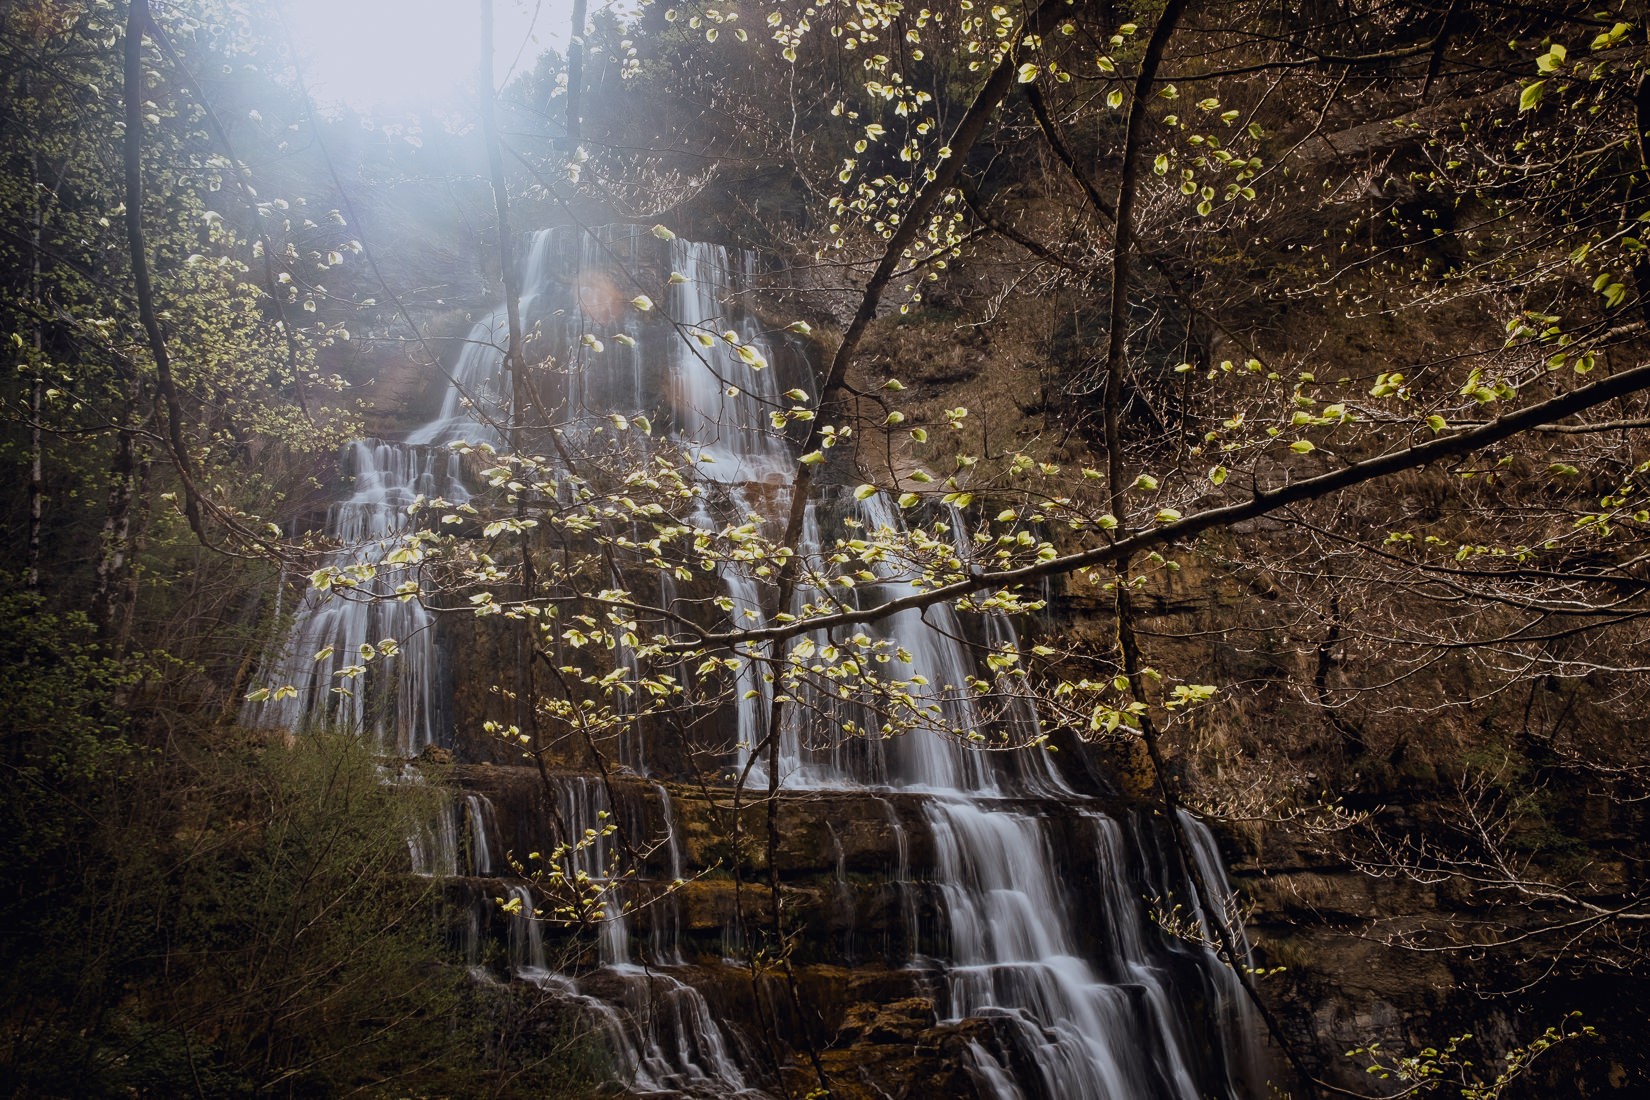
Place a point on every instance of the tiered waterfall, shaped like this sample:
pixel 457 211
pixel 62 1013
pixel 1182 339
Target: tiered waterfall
pixel 1020 895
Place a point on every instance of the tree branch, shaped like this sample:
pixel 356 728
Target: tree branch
pixel 137 23
pixel 963 139
pixel 1263 503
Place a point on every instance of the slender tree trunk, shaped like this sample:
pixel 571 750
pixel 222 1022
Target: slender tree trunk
pixel 575 75
pixel 114 543
pixel 1638 190
pixel 137 23
pixel 526 700
pixel 115 594
pixel 37 475
pixel 1118 484
pixel 37 398
pixel 833 390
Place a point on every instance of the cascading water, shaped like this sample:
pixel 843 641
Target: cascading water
pixel 661 1032
pixel 1012 949
pixel 330 670
pixel 1104 1007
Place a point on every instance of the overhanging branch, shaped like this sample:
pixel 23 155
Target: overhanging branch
pixel 1511 424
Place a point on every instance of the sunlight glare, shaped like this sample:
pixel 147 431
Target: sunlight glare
pixel 410 53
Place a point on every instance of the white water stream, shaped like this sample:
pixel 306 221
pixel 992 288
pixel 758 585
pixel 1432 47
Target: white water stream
pixel 1087 999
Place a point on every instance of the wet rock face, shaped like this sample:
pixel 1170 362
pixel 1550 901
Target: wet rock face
pixel 872 920
pixel 873 1018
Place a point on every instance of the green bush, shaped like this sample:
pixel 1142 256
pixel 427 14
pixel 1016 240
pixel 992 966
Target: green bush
pixel 213 912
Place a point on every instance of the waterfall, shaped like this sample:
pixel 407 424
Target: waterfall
pixel 480 827
pixel 359 657
pixel 662 1031
pixel 1038 928
pixel 1078 1027
pixel 432 848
